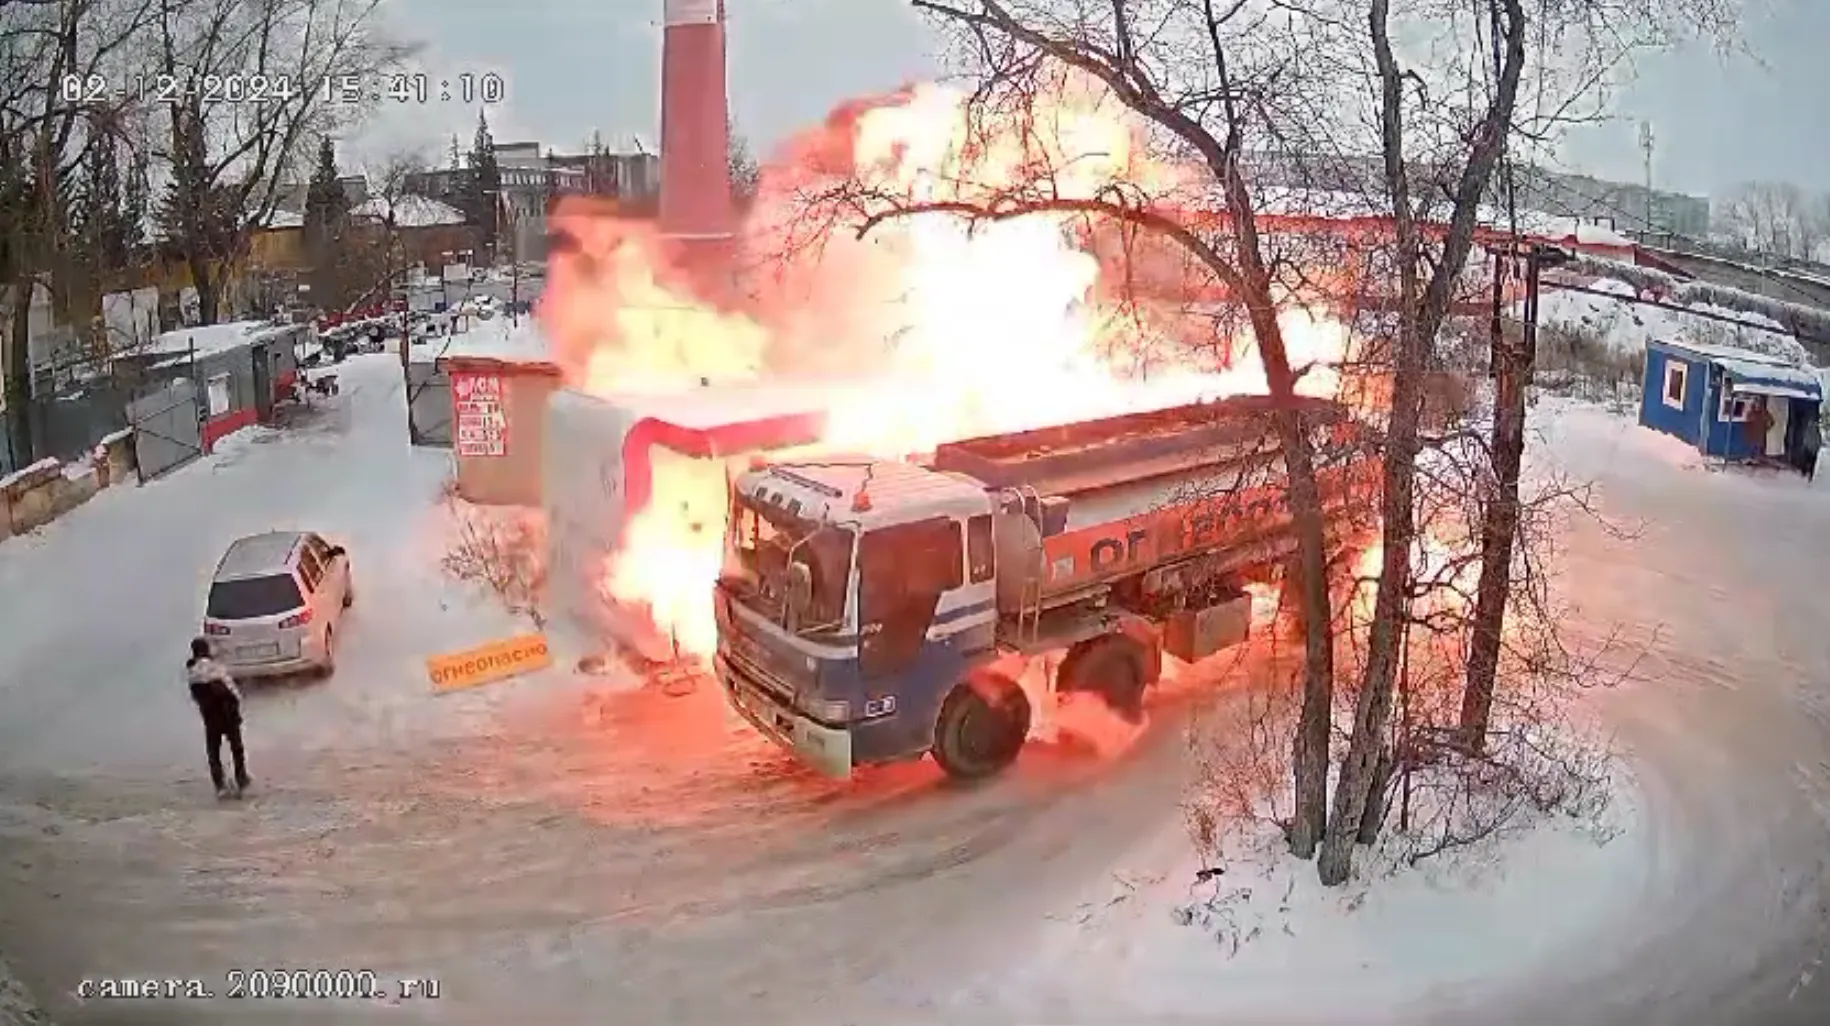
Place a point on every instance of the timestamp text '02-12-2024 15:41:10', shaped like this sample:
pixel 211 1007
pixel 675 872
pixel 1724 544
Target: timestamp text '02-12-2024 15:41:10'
pixel 349 90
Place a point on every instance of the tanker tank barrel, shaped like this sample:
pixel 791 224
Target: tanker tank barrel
pixel 1090 455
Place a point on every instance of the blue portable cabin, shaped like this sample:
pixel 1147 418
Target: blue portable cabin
pixel 1706 395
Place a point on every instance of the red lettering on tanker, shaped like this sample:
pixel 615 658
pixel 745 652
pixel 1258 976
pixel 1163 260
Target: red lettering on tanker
pixel 1119 547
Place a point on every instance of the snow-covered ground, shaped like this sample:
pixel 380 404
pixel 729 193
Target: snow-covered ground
pixel 549 850
pixel 138 560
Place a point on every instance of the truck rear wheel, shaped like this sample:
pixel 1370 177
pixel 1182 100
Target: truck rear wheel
pixel 1111 667
pixel 981 728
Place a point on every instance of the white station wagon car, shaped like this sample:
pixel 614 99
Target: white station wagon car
pixel 276 602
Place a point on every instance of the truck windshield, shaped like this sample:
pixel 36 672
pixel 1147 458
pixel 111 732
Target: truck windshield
pixel 762 541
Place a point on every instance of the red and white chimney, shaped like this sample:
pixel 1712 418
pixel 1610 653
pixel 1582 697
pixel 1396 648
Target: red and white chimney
pixel 695 126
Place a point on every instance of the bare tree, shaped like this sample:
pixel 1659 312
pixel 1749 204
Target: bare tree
pixel 392 206
pixel 56 65
pixel 1468 130
pixel 1776 218
pixel 301 64
pixel 1425 294
pixel 1186 72
pixel 391 200
pixel 745 173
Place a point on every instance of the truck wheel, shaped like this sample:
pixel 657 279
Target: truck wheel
pixel 1111 667
pixel 981 728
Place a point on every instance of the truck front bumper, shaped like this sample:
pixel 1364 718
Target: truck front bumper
pixel 827 749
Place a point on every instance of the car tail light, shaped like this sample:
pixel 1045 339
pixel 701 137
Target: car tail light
pixel 214 629
pixel 299 619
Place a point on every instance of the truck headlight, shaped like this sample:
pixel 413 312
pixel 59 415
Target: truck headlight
pixel 832 710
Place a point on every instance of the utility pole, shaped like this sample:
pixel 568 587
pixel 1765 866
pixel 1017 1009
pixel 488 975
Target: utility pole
pixel 1645 146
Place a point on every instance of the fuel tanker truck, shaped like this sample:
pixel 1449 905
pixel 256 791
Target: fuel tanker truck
pixel 873 611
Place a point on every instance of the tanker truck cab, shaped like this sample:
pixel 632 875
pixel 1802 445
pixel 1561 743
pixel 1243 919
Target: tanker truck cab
pixel 856 595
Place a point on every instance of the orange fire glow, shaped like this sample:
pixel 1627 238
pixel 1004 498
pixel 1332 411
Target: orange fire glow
pixel 981 328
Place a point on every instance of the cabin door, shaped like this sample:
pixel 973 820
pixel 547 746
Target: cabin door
pixel 1779 407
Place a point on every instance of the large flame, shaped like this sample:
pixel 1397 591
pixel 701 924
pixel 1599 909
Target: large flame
pixel 982 328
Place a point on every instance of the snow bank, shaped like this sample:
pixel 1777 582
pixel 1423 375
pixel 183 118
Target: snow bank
pixel 1795 318
pixel 43 466
pixel 1625 327
pixel 16 1005
pixel 1160 938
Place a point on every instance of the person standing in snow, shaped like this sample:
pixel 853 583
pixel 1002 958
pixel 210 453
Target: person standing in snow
pixel 218 701
pixel 1759 422
pixel 1810 441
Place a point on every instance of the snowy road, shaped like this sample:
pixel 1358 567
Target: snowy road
pixel 550 859
pixel 1729 730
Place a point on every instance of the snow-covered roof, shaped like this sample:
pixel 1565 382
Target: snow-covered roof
pixel 1344 205
pixel 411 211
pixel 1749 371
pixel 284 219
pixel 1716 353
pixel 207 339
pixel 1768 379
pixel 720 404
pixel 496 339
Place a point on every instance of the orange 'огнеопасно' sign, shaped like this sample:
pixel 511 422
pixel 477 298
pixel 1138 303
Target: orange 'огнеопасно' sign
pixel 492 662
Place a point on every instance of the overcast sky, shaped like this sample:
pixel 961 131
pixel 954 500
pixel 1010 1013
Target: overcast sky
pixel 574 66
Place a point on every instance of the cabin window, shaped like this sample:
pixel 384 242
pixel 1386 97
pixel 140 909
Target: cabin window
pixel 979 565
pixel 219 395
pixel 1734 407
pixel 1677 379
pixel 903 570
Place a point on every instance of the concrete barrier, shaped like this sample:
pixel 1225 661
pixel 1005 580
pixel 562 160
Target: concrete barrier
pixel 46 490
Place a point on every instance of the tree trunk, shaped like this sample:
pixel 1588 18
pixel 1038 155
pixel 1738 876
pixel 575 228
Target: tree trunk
pixel 1309 754
pixel 1421 315
pixel 1374 815
pixel 203 280
pixel 1372 717
pixel 1310 745
pixel 20 444
pixel 1513 362
pixel 1398 530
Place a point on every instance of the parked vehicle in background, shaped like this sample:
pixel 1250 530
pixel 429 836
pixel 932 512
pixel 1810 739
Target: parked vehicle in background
pixel 276 602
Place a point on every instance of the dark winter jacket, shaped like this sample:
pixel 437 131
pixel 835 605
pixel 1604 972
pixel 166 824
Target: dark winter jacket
pixel 213 689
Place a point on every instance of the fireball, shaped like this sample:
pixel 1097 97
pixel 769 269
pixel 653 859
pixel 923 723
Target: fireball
pixel 984 326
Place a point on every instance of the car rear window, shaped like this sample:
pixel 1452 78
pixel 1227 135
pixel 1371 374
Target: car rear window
pixel 254 597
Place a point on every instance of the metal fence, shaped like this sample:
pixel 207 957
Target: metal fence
pixel 73 407
pixel 167 428
pixel 429 404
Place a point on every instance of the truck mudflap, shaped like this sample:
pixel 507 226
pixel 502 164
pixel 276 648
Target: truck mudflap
pixel 826 749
